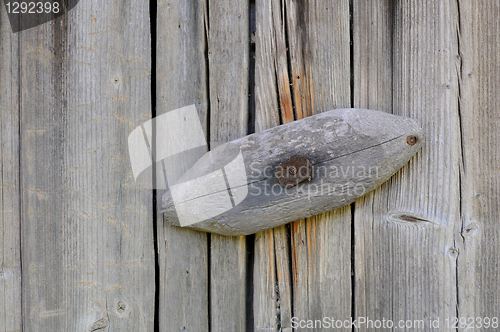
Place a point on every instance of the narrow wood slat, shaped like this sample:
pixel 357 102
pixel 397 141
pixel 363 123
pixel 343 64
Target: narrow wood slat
pixel 372 45
pixel 406 240
pixel 10 241
pixel 88 260
pixel 373 61
pixel 181 76
pixel 317 37
pixel 228 54
pixel 478 280
pixel 272 300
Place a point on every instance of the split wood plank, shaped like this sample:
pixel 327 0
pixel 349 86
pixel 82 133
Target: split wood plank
pixel 10 223
pixel 272 287
pixel 182 81
pixel 478 260
pixel 87 257
pixel 406 243
pixel 317 36
pixel 228 55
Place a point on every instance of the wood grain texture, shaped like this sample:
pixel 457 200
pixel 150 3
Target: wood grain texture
pixel 87 258
pixel 71 90
pixel 272 287
pixel 406 241
pixel 10 223
pixel 318 37
pixel 182 81
pixel 352 152
pixel 478 280
pixel 373 48
pixel 314 37
pixel 228 55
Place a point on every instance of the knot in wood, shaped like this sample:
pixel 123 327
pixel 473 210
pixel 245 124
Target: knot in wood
pixel 293 171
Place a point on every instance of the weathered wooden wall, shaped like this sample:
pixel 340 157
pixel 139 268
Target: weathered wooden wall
pixel 182 80
pixel 406 232
pixel 72 90
pixel 304 269
pixel 10 222
pixel 479 240
pixel 76 232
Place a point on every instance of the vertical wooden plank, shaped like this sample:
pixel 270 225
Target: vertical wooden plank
pixel 88 259
pixel 373 78
pixel 305 44
pixel 182 81
pixel 272 285
pixel 372 43
pixel 319 40
pixel 478 281
pixel 405 249
pixel 321 254
pixel 10 240
pixel 228 54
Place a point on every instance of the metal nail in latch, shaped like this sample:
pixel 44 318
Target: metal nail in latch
pixel 412 140
pixel 293 171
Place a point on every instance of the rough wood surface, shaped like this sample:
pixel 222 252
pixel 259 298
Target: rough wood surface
pixel 320 57
pixel 181 81
pixel 425 243
pixel 478 260
pixel 312 38
pixel 272 284
pixel 87 256
pixel 406 243
pixel 352 151
pixel 228 55
pixel 10 240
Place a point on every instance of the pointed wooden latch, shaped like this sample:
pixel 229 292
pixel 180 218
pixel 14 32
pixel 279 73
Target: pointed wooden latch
pixel 293 171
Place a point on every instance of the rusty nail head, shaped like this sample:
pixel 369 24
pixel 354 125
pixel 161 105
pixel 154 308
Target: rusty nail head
pixel 293 171
pixel 412 140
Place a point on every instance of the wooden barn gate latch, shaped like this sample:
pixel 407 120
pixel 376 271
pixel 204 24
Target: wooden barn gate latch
pixel 293 171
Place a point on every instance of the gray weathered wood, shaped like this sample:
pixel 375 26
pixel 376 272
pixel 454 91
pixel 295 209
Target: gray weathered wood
pixel 181 81
pixel 316 264
pixel 228 55
pixel 10 241
pixel 86 226
pixel 352 151
pixel 405 249
pixel 272 286
pixel 87 257
pixel 318 33
pixel 478 259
